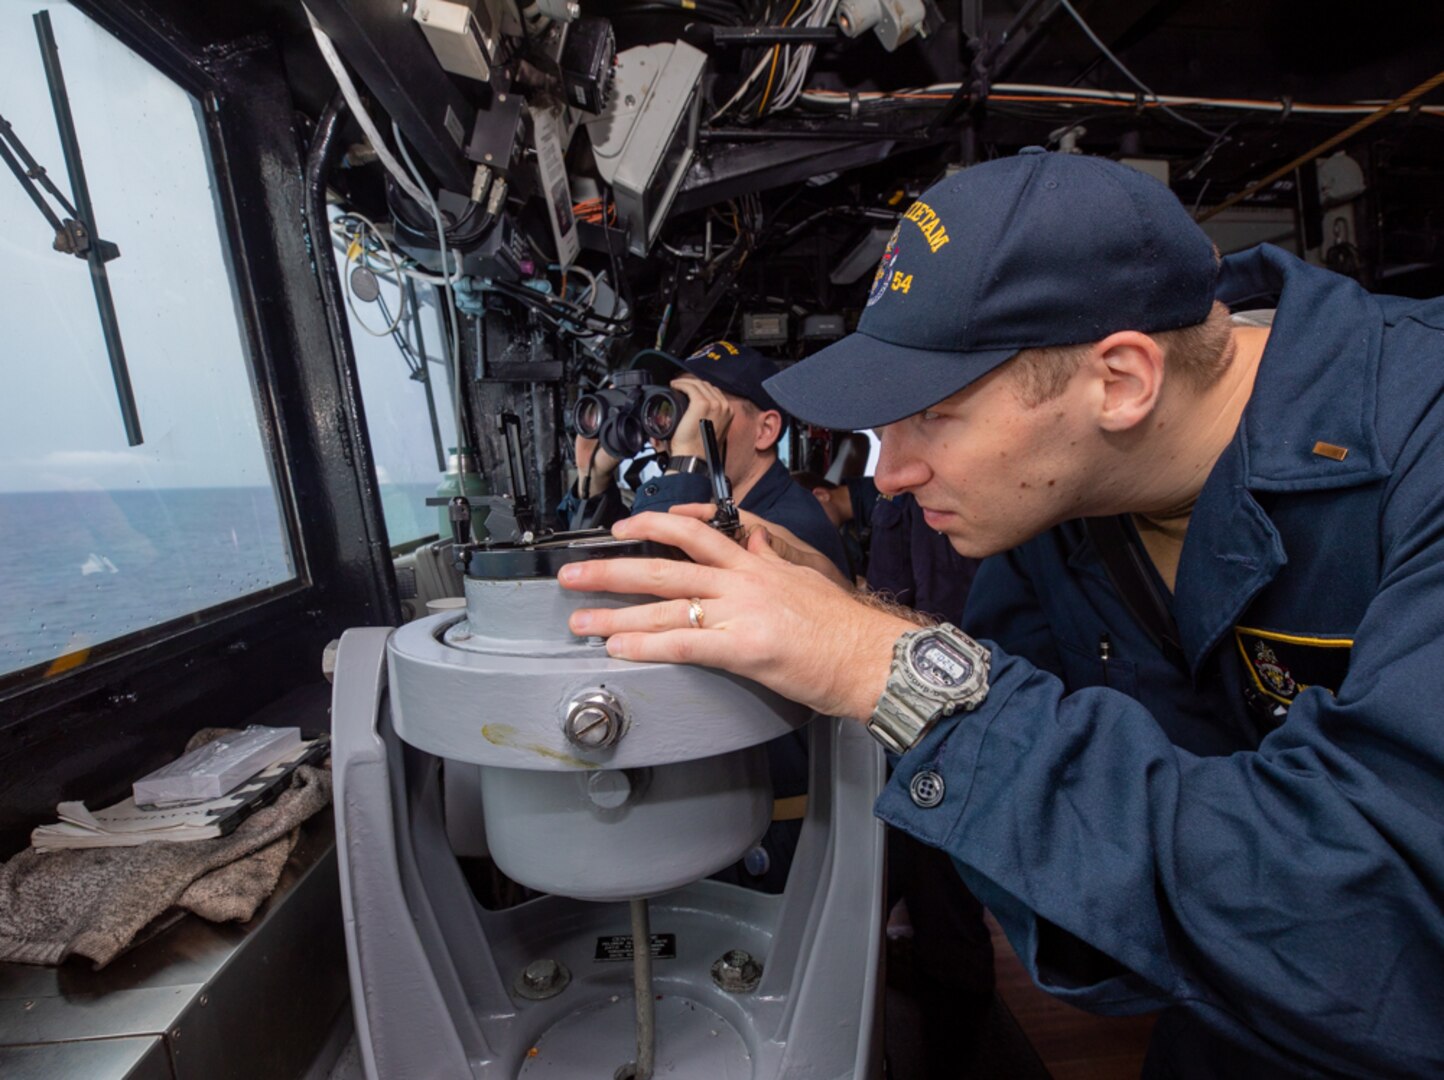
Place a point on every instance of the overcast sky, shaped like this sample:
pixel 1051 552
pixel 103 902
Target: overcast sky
pixel 149 178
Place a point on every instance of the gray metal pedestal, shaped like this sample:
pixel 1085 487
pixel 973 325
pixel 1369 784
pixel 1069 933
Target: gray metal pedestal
pixel 433 973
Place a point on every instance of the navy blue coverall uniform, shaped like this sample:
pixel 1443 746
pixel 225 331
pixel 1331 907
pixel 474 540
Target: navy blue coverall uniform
pixel 856 533
pixel 1253 839
pixel 775 498
pixel 914 564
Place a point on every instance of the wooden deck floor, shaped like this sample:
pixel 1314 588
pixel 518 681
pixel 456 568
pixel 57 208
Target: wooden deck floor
pixel 1075 1045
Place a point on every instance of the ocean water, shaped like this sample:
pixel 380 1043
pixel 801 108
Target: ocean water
pixel 79 568
pixel 407 516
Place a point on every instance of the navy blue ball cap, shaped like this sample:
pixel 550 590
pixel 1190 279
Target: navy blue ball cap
pixel 737 369
pixel 1025 252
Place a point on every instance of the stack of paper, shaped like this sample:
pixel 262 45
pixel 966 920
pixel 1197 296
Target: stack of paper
pixel 125 824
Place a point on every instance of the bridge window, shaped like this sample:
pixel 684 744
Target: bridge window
pixel 138 489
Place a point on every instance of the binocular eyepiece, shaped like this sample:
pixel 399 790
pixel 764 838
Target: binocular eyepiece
pixel 624 415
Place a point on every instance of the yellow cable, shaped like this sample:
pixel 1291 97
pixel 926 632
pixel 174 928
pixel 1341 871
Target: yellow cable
pixel 776 49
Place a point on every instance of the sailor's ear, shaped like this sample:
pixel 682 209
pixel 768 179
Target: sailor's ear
pixel 1129 371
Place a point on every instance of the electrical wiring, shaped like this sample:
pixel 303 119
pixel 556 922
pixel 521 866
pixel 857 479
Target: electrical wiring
pixel 786 66
pixel 705 251
pixel 862 213
pixel 711 259
pixel 741 90
pixel 588 294
pixel 791 60
pixel 1201 162
pixel 452 322
pixel 820 14
pixel 408 267
pixel 403 178
pixel 749 220
pixel 684 253
pixel 358 109
pixel 713 214
pixel 561 321
pixel 619 280
pixel 349 241
pixel 563 314
pixel 595 320
pixel 1134 79
pixel 766 62
pixel 592 211
pixel 715 12
pixel 1058 95
pixel 772 68
pixel 358 247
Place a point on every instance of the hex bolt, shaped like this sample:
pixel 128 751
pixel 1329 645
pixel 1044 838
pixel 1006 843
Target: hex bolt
pixel 595 720
pixel 541 975
pixel 542 979
pixel 737 972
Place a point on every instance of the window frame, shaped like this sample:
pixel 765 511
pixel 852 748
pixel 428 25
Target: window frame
pixel 203 91
pixel 236 656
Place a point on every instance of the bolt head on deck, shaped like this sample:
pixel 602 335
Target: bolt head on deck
pixel 737 972
pixel 542 979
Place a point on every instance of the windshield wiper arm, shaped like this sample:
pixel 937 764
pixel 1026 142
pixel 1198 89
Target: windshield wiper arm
pixel 27 171
pixel 81 236
pixel 70 234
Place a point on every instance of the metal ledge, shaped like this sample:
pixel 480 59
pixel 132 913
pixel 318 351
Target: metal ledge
pixel 203 1000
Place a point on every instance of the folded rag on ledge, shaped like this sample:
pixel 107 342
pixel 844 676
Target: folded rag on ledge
pixel 97 902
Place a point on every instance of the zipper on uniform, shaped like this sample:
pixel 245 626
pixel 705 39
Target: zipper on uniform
pixel 1105 653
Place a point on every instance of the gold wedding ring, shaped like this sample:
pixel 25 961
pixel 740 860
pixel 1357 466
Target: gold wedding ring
pixel 695 615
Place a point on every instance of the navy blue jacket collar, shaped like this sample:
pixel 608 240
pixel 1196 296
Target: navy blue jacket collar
pixel 770 487
pixel 1317 381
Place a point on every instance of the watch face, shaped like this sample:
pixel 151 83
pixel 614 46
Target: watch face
pixel 940 663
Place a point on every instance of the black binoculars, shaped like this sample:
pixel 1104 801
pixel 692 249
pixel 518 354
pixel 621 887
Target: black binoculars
pixel 625 414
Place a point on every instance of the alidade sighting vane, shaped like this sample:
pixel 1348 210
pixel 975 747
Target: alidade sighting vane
pixel 726 519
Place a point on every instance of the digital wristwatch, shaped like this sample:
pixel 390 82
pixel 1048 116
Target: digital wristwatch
pixel 936 671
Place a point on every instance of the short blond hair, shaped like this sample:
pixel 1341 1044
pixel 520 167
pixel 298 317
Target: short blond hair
pixel 1200 352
